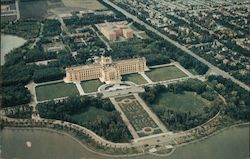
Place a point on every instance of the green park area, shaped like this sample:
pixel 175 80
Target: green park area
pixel 91 114
pixel 165 73
pixel 135 77
pixel 55 90
pixel 181 102
pixel 91 85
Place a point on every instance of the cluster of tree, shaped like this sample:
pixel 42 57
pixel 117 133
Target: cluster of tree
pixel 152 50
pixel 237 98
pixel 111 127
pixel 23 74
pixel 176 121
pixel 244 78
pixel 37 54
pixel 24 28
pixel 48 74
pixel 52 27
pixel 175 53
pixel 15 95
pixel 22 111
pixel 16 74
pixel 231 44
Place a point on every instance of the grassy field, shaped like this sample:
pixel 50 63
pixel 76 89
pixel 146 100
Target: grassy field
pixel 84 4
pixel 91 85
pixel 33 9
pixel 186 102
pixel 90 115
pixel 135 77
pixel 56 90
pixel 165 73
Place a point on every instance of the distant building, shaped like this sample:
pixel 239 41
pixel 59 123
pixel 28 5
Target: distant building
pixel 53 47
pixel 112 31
pixel 5 8
pixel 105 69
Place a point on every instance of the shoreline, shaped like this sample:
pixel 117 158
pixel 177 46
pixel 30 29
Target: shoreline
pixel 95 151
pixel 7 50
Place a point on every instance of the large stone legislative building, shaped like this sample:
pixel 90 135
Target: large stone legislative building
pixel 106 70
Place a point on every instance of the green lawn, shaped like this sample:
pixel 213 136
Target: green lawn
pixel 186 102
pixel 91 85
pixel 135 77
pixel 56 90
pixel 90 115
pixel 165 73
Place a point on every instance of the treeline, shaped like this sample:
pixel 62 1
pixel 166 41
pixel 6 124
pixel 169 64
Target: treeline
pixel 110 127
pixel 237 98
pixel 22 111
pixel 176 120
pixel 14 95
pixel 90 19
pixel 22 74
pixel 48 74
pixel 37 54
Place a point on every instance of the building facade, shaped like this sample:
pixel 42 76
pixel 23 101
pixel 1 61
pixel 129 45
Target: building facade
pixel 105 69
pixel 113 31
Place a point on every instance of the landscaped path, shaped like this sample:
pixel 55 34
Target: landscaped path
pixel 150 28
pixel 39 37
pixel 17 10
pixel 31 87
pixel 79 88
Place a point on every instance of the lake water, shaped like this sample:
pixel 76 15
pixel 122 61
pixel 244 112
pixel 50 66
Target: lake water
pixel 9 42
pixel 232 143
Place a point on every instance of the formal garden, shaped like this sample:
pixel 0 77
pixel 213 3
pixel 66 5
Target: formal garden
pixel 137 116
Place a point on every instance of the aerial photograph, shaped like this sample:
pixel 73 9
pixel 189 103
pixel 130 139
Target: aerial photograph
pixel 125 79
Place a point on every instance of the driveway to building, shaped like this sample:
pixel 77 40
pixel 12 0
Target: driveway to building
pixel 183 48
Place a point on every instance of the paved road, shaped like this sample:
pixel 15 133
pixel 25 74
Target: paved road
pixel 212 67
pixel 39 37
pixel 17 10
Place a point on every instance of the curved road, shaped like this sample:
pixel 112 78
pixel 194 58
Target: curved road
pixel 211 66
